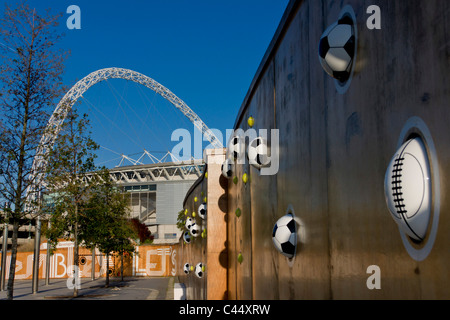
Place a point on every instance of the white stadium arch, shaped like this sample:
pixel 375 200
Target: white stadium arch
pixel 70 98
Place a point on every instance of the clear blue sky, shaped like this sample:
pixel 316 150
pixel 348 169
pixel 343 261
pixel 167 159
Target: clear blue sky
pixel 206 52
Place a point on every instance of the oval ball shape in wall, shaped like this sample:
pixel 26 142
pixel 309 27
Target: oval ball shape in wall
pixel 189 223
pixel 236 147
pixel 338 48
pixel 186 268
pixel 257 153
pixel 407 187
pixel 228 168
pixel 195 230
pixel 284 235
pixel 199 270
pixel 202 211
pixel 187 237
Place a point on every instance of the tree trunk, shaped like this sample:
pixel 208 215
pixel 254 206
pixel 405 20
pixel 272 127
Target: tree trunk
pixel 121 265
pixel 12 267
pixel 107 270
pixel 20 180
pixel 75 255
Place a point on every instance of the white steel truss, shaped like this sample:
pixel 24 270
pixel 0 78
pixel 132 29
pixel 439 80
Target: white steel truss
pixel 59 114
pixel 152 158
pixel 158 172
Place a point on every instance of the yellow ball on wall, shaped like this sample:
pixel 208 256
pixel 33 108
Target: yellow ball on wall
pixel 251 121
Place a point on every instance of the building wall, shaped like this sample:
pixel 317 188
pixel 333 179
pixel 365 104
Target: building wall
pixel 167 234
pixel 158 207
pixel 149 260
pixel 209 248
pixel 194 252
pixel 169 200
pixel 334 152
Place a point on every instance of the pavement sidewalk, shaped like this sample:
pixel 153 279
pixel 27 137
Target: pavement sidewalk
pixel 132 288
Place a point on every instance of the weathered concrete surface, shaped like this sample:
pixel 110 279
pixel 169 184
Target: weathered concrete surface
pixel 334 151
pixel 209 248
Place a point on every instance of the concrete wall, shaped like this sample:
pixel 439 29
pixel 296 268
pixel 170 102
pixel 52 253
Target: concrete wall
pixel 149 260
pixel 334 151
pixel 210 248
pixel 195 251
pixel 335 148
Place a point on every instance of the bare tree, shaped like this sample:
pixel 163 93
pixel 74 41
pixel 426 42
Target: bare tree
pixel 31 70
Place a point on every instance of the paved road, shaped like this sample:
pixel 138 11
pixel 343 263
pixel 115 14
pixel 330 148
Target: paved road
pixel 138 288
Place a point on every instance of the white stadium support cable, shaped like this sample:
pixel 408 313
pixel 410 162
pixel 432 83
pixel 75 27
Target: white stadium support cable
pixel 77 91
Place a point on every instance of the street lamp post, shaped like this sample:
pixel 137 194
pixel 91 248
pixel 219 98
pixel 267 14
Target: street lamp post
pixel 93 264
pixel 37 244
pixel 4 252
pixel 47 260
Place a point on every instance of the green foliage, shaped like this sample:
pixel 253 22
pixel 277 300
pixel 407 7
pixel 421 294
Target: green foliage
pixel 106 224
pixel 143 234
pixel 84 203
pixel 69 188
pixel 181 220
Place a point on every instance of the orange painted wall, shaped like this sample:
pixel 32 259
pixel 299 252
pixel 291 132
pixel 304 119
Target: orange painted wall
pixel 149 260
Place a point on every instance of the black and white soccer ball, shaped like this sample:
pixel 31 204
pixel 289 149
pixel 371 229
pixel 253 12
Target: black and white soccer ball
pixel 195 230
pixel 284 235
pixel 337 49
pixel 228 168
pixel 257 153
pixel 189 223
pixel 202 211
pixel 186 268
pixel 199 270
pixel 187 237
pixel 236 147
